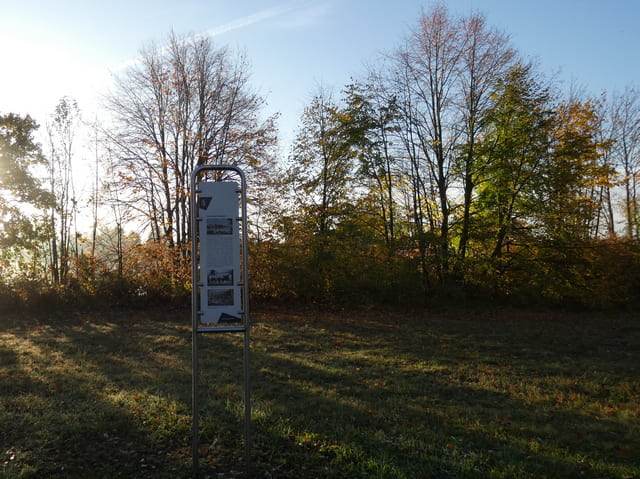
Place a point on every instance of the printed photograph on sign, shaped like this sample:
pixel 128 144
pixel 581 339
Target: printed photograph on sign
pixel 220 277
pixel 219 226
pixel 220 296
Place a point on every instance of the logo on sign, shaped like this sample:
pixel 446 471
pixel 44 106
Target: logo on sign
pixel 204 202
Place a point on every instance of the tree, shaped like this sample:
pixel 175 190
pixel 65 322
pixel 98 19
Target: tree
pixel 61 132
pixel 567 206
pixel 21 193
pixel 95 190
pixel 543 165
pixel 181 106
pixel 370 120
pixel 605 221
pixel 319 178
pixel 321 166
pixel 427 75
pixel 624 117
pixel 484 59
pixel 515 148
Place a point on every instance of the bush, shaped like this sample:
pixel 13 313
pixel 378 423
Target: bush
pixel 152 273
pixel 593 275
pixel 339 271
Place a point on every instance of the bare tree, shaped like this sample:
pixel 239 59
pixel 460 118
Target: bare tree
pixel 62 130
pixel 604 220
pixel 625 131
pixel 426 76
pixel 181 106
pixel 95 190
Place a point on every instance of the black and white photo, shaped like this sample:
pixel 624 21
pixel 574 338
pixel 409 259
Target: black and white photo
pixel 219 226
pixel 220 296
pixel 220 277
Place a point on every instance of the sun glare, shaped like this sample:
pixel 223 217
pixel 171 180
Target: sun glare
pixel 44 73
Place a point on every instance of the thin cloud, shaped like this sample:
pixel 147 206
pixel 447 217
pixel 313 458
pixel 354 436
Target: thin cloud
pixel 249 20
pixel 243 22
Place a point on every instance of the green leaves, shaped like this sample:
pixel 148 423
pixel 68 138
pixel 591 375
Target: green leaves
pixel 21 193
pixel 19 153
pixel 321 166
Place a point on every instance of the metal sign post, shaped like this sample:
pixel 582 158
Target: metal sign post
pixel 219 274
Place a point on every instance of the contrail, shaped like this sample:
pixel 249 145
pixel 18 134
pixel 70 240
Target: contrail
pixel 242 22
pixel 250 20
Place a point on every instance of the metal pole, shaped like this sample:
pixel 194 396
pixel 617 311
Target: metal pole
pixel 247 324
pixel 195 449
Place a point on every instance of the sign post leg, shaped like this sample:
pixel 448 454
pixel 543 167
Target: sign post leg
pixel 247 405
pixel 195 447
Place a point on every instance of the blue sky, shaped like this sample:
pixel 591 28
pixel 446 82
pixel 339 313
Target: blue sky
pixel 56 48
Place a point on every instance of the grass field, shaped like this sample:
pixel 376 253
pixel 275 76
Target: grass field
pixel 335 395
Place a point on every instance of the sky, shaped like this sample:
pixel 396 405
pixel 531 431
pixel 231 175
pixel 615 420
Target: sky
pixel 75 47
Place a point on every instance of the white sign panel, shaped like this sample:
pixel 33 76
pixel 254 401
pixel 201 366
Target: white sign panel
pixel 219 253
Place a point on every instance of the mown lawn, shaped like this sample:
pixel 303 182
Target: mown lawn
pixel 335 395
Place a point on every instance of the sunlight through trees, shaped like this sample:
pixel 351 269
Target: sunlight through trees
pixel 453 171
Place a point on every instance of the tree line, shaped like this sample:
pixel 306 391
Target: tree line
pixel 452 171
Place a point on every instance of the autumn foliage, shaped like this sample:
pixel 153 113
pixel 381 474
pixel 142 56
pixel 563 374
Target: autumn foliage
pixel 452 173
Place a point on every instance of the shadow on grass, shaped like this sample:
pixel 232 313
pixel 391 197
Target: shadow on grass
pixel 442 399
pixel 99 396
pixel 333 396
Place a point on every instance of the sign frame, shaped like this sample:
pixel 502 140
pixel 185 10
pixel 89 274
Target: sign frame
pixel 199 284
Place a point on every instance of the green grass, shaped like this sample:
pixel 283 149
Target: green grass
pixel 335 395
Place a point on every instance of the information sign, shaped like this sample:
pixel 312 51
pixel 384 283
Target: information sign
pixel 220 297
